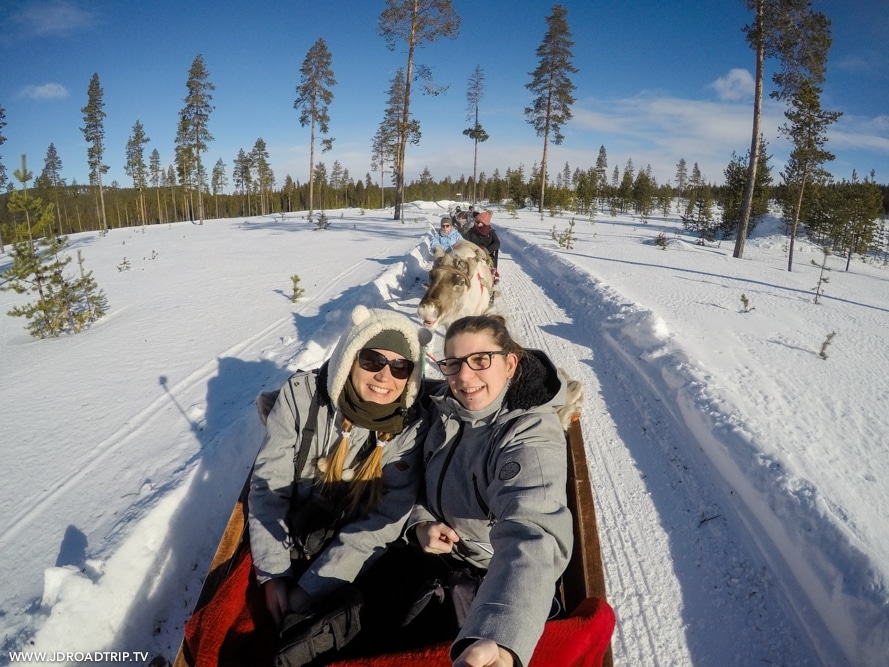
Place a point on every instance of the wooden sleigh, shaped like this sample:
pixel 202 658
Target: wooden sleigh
pixel 231 628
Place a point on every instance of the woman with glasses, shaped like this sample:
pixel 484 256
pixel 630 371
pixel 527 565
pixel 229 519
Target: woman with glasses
pixel 495 495
pixel 339 469
pixel 446 237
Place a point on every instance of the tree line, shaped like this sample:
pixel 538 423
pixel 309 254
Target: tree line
pixel 788 31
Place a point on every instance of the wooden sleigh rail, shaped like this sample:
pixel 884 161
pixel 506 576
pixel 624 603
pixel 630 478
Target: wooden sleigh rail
pixel 583 579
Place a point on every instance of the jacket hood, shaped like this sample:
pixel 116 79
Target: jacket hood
pixel 364 325
pixel 537 383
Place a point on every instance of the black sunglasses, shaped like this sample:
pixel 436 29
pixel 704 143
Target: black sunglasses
pixel 477 361
pixel 373 361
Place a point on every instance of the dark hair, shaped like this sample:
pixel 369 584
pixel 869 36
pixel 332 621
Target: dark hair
pixel 494 325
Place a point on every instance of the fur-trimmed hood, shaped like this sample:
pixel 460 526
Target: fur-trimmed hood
pixel 365 323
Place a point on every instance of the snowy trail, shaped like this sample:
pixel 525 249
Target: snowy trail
pixel 660 509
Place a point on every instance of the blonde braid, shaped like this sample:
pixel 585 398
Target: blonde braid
pixel 331 467
pixel 369 477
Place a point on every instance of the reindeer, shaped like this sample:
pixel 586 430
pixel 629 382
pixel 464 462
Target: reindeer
pixel 460 284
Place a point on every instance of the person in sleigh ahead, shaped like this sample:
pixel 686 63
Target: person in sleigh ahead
pixel 483 235
pixel 339 469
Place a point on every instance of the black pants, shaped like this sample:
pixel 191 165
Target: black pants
pixel 390 588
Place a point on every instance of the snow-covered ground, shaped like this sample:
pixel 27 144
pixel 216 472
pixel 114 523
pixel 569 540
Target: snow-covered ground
pixel 740 478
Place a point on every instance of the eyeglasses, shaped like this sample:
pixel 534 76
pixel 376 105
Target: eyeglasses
pixel 445 226
pixel 477 361
pixel 374 362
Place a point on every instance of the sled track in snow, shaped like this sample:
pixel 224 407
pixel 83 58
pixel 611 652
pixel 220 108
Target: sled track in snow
pixel 182 393
pixel 686 582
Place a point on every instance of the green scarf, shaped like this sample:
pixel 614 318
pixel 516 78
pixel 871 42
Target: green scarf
pixel 387 418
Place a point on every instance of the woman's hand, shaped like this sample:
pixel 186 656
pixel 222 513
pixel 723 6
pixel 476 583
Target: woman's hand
pixel 275 591
pixel 436 537
pixel 484 653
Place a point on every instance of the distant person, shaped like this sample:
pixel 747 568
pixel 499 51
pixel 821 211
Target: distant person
pixel 446 237
pixel 484 236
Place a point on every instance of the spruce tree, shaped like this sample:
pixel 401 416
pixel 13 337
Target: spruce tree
pixel 476 132
pixel 313 97
pixel 155 171
pixel 552 87
pixel 193 134
pixel 94 132
pixel 413 22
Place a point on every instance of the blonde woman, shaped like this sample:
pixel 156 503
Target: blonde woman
pixel 339 469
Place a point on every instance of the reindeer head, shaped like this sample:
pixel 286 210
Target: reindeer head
pixel 452 281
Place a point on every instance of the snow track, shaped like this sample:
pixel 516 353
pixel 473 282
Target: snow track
pixel 660 509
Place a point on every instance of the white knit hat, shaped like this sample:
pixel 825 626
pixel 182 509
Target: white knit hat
pixel 365 324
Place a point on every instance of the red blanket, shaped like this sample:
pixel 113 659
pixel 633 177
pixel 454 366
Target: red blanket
pixel 234 629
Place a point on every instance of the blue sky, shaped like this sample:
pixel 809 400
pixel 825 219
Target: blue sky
pixel 657 81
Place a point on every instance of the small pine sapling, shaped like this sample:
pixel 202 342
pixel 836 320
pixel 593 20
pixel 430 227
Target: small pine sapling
pixel 822 277
pixel 566 236
pixel 297 290
pixel 512 209
pixel 661 241
pixel 826 343
pixel 745 302
pixel 553 233
pixel 124 265
pixel 322 222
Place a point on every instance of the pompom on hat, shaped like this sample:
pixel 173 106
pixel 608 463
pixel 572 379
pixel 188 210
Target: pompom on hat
pixel 383 330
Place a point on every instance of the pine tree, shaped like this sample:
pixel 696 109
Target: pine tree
pixel 552 86
pixel 135 165
pixel 477 133
pixel 807 131
pixel 155 171
pixel 218 182
pixel 789 30
pixel 265 178
pixel 386 141
pixel 3 177
pixel 413 22
pixel 625 191
pixel 94 132
pixel 62 305
pixel 242 174
pixel 193 134
pixel 601 176
pixel 50 180
pixel 313 97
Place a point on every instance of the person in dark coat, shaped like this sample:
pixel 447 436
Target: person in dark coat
pixel 484 236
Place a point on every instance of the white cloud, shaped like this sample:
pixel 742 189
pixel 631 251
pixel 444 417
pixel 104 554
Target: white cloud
pixel 53 18
pixel 737 85
pixel 48 91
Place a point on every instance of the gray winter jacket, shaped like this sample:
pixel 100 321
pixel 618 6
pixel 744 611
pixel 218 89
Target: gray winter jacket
pixel 361 541
pixel 498 477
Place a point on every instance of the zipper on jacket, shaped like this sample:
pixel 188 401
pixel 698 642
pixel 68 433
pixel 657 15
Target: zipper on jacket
pixel 481 502
pixel 444 469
